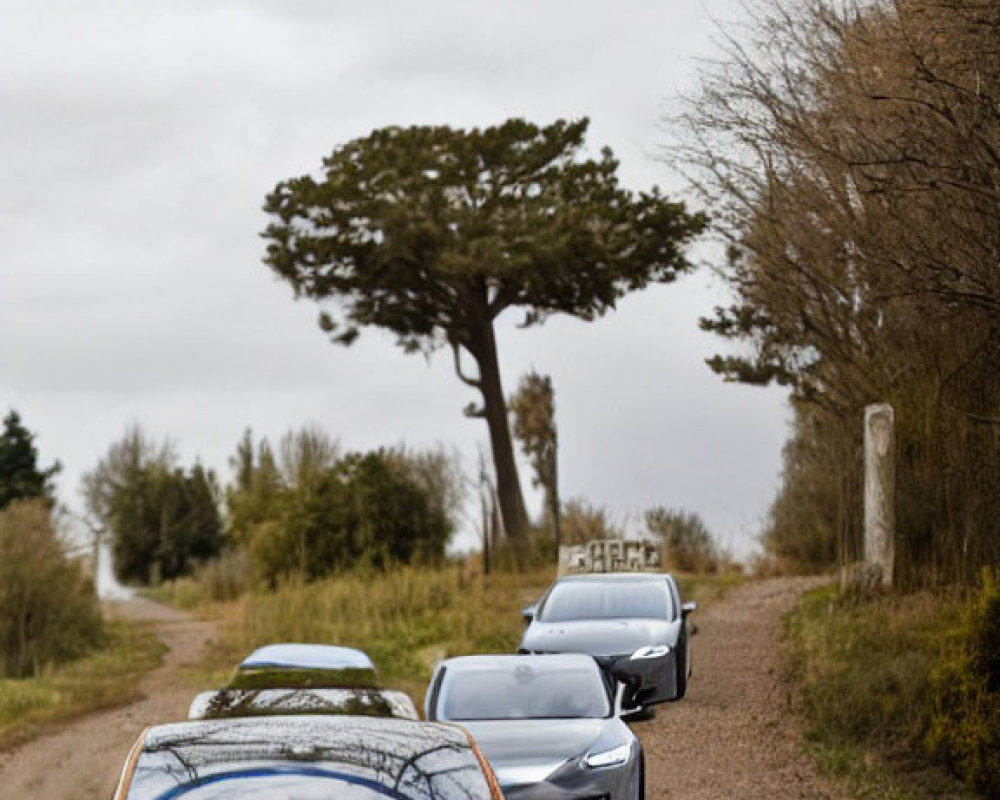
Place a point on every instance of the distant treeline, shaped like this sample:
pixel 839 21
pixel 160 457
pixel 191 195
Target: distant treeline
pixel 850 151
pixel 306 510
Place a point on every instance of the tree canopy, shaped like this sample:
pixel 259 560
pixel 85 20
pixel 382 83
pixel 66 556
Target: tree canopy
pixel 162 520
pixel 850 151
pixel 21 478
pixel 433 232
pixel 375 509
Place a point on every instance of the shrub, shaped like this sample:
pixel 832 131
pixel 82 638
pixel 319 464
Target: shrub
pixel 689 545
pixel 164 522
pixel 582 522
pixel 48 611
pixel 965 725
pixel 366 509
pixel 218 580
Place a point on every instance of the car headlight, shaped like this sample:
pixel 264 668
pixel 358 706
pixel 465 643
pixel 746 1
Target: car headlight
pixel 608 758
pixel 651 651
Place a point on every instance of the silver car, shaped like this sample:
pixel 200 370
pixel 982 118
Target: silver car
pixel 618 618
pixel 547 724
pixel 292 678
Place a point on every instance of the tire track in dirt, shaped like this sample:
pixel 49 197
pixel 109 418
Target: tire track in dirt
pixel 734 735
pixel 81 761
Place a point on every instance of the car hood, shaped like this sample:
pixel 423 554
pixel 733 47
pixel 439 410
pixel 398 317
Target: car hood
pixel 601 637
pixel 529 750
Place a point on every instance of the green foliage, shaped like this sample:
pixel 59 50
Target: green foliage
pixel 162 519
pixel 431 233
pixel 135 451
pixel 20 476
pixel 408 226
pixel 965 724
pixel 48 611
pixel 864 669
pixel 164 522
pixel 688 544
pixel 382 508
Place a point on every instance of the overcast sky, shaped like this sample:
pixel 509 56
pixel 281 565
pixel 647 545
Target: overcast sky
pixel 139 139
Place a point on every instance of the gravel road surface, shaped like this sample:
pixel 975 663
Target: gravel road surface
pixel 732 736
pixel 82 760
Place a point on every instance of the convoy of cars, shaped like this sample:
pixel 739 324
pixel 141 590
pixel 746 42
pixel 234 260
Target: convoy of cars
pixel 312 721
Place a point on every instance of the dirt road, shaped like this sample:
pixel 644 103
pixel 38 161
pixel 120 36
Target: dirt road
pixel 82 761
pixel 730 738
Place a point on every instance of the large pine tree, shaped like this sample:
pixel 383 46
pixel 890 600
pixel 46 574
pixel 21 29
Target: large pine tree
pixel 433 232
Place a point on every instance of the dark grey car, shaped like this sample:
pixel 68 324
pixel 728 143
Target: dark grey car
pixel 636 619
pixel 547 724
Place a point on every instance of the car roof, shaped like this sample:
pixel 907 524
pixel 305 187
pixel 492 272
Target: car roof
pixel 622 577
pixel 291 655
pixel 505 663
pixel 411 759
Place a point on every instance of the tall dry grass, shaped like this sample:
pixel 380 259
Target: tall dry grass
pixel 405 619
pixel 864 670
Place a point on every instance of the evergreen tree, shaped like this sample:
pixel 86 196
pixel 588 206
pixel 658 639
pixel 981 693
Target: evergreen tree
pixel 20 476
pixel 432 233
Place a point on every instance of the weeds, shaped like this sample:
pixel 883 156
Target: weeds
pixel 99 680
pixel 864 667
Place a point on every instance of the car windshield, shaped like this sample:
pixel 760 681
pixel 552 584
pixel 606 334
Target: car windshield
pixel 523 692
pixel 573 600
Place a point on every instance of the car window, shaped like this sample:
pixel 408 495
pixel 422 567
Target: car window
pixel 523 692
pixel 578 600
pixel 307 757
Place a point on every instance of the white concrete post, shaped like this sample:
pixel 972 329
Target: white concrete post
pixel 880 478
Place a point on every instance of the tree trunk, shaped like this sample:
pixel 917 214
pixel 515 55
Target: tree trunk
pixel 512 511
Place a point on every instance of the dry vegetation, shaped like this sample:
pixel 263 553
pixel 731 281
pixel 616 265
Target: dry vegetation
pixel 406 619
pixel 850 153
pixel 886 683
pixel 106 678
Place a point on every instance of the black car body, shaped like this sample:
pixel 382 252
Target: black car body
pixel 306 758
pixel 547 724
pixel 629 622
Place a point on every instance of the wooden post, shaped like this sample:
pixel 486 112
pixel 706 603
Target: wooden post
pixel 880 478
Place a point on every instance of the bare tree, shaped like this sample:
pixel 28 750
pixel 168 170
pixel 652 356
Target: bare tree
pixel 851 153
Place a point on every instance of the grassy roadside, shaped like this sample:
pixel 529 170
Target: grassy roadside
pixel 88 684
pixel 864 670
pixel 406 619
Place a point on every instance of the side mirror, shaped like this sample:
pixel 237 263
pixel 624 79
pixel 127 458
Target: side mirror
pixel 528 613
pixel 688 608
